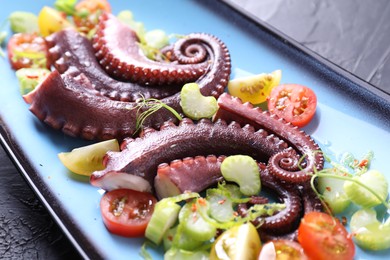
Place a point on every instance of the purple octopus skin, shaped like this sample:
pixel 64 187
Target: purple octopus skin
pixel 81 87
pixel 71 104
pixel 285 165
pixel 73 53
pixel 142 156
pixel 124 60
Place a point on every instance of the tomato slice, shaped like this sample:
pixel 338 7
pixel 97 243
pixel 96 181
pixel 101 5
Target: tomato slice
pixel 27 50
pixel 127 212
pixel 282 249
pixel 295 103
pixel 324 237
pixel 88 12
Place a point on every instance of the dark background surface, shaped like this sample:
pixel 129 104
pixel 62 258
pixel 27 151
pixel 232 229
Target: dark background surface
pixel 353 34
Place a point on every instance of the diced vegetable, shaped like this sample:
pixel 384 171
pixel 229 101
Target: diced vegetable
pixel 324 237
pixel 282 250
pixel 237 243
pixel 193 223
pixel 371 179
pixel 87 159
pixel 50 21
pixel 295 103
pixel 175 237
pixel 29 78
pixel 256 88
pixel 66 6
pixel 179 254
pixel 127 212
pixel 194 104
pixel 165 216
pixel 87 12
pixel 333 193
pixel 368 232
pixel 26 50
pixel 243 170
pixel 23 22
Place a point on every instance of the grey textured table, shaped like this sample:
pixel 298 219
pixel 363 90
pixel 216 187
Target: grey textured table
pixel 354 34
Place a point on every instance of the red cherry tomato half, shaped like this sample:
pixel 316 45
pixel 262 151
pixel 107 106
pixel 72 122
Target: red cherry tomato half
pixel 127 212
pixel 295 103
pixel 324 237
pixel 282 249
pixel 27 50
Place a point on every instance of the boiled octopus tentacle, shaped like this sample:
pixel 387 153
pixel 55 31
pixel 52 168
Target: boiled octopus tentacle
pixel 285 165
pixel 142 156
pixel 59 96
pixel 73 53
pixel 71 104
pixel 124 60
pixel 193 174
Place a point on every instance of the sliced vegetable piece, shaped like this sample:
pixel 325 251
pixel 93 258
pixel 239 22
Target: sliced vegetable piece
pixel 50 21
pixel 87 159
pixel 127 212
pixel 195 105
pixel 193 223
pixel 295 103
pixel 154 41
pixel 333 193
pixel 237 243
pixel 29 78
pixel 243 170
pixel 165 216
pixel 221 206
pixel 174 237
pixel 324 237
pixel 282 250
pixel 23 22
pixel 373 180
pixel 180 254
pixel 256 88
pixel 87 12
pixel 66 6
pixel 368 232
pixel 26 50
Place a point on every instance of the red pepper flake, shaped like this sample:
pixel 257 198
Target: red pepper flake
pixel 221 201
pixel 363 163
pixel 194 207
pixel 32 76
pixel 170 238
pixel 328 188
pixel 202 202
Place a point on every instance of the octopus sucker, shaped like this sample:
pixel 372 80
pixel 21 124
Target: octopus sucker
pixel 306 154
pixel 128 53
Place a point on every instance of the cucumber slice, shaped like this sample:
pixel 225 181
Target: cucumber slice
pixel 23 22
pixel 256 88
pixel 87 159
pixel 179 254
pixel 221 207
pixel 333 193
pixel 359 195
pixel 174 237
pixel 237 243
pixel 194 104
pixel 29 78
pixel 368 232
pixel 193 223
pixel 244 171
pixel 163 218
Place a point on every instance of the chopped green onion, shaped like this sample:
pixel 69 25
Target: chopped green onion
pixel 66 6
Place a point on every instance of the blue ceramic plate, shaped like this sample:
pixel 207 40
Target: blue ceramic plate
pixel 351 117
